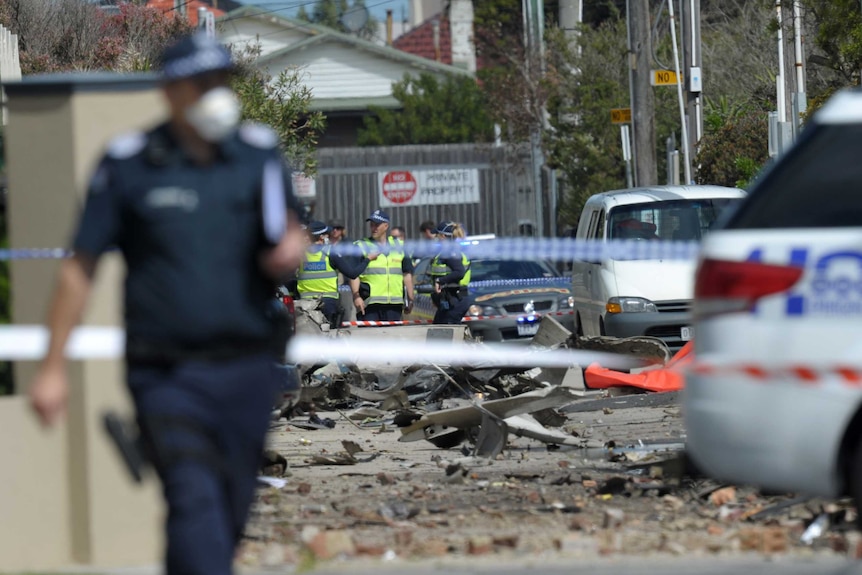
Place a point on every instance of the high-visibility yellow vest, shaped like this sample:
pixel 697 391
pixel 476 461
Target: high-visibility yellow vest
pixel 383 275
pixel 317 277
pixel 439 269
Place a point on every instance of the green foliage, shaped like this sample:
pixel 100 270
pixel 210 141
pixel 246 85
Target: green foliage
pixel 510 79
pixel 838 37
pixel 283 103
pixel 433 112
pixel 586 79
pixel 734 147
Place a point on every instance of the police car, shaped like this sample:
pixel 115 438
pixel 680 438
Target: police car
pixel 510 297
pixel 775 398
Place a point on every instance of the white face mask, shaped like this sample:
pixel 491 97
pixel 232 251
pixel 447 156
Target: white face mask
pixel 216 115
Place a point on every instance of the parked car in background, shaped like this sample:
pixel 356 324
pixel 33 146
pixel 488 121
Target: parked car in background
pixel 634 297
pixel 510 297
pixel 777 401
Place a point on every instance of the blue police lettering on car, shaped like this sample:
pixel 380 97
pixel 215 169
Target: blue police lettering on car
pixel 835 288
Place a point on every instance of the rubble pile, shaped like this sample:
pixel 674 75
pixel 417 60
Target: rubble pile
pixel 448 405
pixel 390 462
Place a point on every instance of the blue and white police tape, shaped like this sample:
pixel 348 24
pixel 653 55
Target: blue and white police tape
pixel 30 342
pixel 554 249
pixel 34 254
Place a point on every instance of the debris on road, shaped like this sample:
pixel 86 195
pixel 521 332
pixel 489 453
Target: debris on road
pixel 502 460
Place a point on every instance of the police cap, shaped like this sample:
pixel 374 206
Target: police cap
pixel 194 55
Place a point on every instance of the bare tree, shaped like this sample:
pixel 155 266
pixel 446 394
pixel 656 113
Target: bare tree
pixel 62 35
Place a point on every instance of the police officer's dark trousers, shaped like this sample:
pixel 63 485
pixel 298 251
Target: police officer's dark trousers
pixel 382 312
pixel 452 307
pixel 205 424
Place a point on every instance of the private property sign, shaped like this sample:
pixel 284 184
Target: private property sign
pixel 428 187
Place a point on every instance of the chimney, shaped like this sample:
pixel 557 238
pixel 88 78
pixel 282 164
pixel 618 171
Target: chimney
pixel 461 30
pixel 389 27
pixel 436 27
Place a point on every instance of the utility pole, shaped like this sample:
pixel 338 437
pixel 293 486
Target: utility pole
pixel 534 24
pixel 692 65
pixel 571 14
pixel 686 147
pixel 643 100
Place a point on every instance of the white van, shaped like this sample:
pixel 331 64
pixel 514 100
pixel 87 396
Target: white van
pixel 625 298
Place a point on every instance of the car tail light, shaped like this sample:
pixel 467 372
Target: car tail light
pixel 288 303
pixel 727 286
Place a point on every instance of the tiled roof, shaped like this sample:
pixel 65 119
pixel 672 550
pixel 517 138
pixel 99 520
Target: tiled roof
pixel 420 40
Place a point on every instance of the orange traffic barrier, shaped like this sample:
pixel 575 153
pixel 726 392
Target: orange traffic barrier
pixel 669 378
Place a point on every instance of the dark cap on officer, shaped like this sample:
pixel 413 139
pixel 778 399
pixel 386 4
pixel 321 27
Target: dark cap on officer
pixel 378 216
pixel 194 55
pixel 318 229
pixel 445 228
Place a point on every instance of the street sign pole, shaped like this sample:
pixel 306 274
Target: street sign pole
pixel 627 153
pixel 686 152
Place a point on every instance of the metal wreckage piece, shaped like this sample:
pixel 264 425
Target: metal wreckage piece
pixel 482 404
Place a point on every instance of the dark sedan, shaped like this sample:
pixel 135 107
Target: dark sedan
pixel 509 297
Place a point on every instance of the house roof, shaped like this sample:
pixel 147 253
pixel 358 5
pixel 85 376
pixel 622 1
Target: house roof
pixel 318 34
pixel 420 40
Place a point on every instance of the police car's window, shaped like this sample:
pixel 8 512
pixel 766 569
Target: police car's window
pixel 488 270
pixel 817 185
pixel 679 220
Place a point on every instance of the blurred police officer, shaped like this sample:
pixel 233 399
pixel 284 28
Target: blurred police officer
pixel 385 289
pixel 318 274
pixel 450 271
pixel 203 213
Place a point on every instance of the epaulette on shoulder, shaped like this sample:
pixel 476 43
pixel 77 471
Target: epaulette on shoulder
pixel 258 135
pixel 126 145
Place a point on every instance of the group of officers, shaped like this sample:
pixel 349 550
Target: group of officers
pixel 379 272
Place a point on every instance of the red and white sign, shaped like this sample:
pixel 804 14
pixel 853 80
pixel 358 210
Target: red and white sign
pixel 428 187
pixel 303 186
pixel 398 187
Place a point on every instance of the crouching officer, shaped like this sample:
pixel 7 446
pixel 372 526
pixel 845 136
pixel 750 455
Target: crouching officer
pixel 450 271
pixel 203 213
pixel 318 275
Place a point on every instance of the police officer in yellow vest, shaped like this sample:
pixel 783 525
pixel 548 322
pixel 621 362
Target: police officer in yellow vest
pixel 450 271
pixel 317 276
pixel 379 292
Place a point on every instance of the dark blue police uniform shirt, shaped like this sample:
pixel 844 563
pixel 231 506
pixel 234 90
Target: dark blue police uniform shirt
pixel 190 234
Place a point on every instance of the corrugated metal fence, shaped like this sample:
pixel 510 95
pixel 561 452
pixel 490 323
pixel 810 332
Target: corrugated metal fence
pixel 348 187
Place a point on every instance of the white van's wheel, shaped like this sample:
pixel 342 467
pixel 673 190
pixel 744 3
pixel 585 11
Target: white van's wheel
pixel 602 327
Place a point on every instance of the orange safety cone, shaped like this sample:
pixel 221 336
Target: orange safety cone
pixel 669 378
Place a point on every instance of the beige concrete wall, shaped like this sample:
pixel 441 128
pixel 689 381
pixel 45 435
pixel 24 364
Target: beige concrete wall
pixel 34 500
pixel 98 517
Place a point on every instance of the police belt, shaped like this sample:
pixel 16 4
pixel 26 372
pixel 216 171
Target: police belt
pixel 454 290
pixel 148 352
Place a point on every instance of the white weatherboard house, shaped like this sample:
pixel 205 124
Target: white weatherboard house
pixel 346 74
